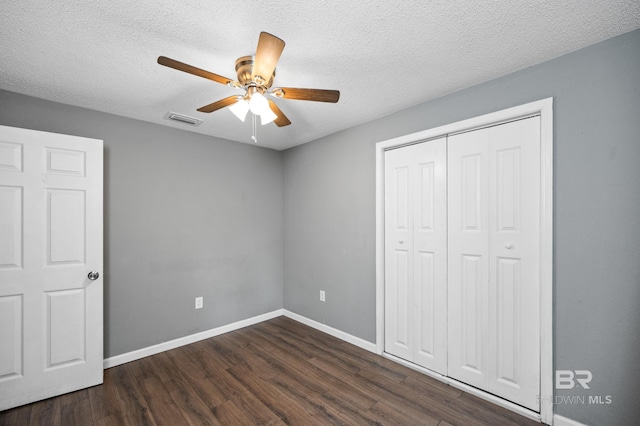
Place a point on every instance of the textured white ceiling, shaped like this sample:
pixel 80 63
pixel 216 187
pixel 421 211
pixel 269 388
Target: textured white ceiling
pixel 383 56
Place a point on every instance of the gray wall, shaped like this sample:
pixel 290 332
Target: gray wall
pixel 185 215
pixel 329 196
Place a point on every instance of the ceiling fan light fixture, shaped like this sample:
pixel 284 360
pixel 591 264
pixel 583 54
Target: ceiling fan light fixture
pixel 240 109
pixel 258 104
pixel 267 117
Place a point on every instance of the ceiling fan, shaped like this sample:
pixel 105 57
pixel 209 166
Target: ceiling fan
pixel 255 77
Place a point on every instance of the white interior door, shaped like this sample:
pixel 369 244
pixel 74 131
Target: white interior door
pixel 415 253
pixel 494 283
pixel 50 240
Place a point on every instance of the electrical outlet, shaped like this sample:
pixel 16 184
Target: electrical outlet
pixel 322 296
pixel 199 302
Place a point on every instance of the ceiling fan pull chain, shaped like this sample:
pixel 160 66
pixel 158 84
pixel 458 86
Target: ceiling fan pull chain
pixel 253 126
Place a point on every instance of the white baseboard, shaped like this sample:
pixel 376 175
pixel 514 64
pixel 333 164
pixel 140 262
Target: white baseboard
pixel 186 340
pixel 361 343
pixel 564 421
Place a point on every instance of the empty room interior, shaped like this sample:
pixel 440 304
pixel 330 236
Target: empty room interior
pixel 278 213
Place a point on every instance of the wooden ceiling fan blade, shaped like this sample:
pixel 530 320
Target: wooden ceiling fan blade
pixel 220 104
pixel 181 66
pixel 317 95
pixel 282 119
pixel 268 53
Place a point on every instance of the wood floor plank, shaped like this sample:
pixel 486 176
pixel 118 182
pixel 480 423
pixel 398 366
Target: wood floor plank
pixel 75 412
pixel 255 409
pixel 165 370
pixel 328 408
pixel 163 408
pixel 228 413
pixel 393 414
pixel 183 393
pixel 192 408
pixel 282 405
pixel 216 374
pixel 318 350
pixel 418 380
pixel 289 342
pixel 332 366
pixel 70 404
pixel 256 338
pixel 279 372
pixel 283 323
pixel 111 420
pixel 307 375
pixel 130 400
pixel 359 356
pixel 392 392
pixel 309 401
pixel 45 412
pixel 224 354
pixel 192 375
pixel 104 401
pixel 470 402
pixel 318 381
pixel 430 390
pixel 16 416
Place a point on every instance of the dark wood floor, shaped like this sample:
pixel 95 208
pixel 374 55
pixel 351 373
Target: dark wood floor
pixel 278 372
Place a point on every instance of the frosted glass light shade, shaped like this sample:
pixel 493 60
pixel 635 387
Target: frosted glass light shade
pixel 258 104
pixel 267 117
pixel 240 109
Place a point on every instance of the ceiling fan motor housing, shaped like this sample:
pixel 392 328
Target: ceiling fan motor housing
pixel 244 69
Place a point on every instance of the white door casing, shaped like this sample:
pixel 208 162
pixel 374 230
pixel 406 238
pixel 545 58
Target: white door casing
pixel 416 249
pixel 51 235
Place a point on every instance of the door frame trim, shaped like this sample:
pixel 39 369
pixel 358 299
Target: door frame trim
pixel 543 108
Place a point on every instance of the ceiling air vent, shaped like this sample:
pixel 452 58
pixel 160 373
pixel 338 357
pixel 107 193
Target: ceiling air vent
pixel 183 118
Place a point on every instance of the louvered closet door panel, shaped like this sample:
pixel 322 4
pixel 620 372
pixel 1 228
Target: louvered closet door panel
pixel 415 254
pixel 468 284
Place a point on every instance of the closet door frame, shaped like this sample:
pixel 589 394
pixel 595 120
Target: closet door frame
pixel 544 109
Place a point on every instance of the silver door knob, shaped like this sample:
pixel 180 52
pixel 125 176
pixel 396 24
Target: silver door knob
pixel 93 275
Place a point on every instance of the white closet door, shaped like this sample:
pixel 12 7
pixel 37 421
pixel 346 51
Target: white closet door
pixel 514 314
pixel 468 285
pixel 494 291
pixel 415 253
